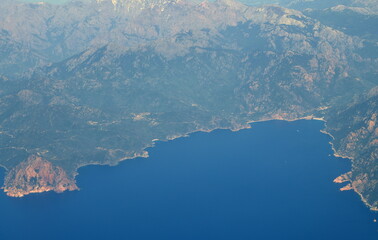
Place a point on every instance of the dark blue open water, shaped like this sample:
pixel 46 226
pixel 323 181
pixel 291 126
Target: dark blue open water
pixel 273 181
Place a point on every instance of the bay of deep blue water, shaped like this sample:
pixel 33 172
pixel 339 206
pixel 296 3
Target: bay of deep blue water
pixel 273 181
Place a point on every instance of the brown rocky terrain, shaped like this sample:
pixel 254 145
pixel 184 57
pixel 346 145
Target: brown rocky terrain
pixel 37 175
pixel 355 136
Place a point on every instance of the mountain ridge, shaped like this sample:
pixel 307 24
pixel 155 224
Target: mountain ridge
pixel 98 87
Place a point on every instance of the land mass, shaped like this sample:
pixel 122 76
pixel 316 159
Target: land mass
pixel 98 82
pixel 35 176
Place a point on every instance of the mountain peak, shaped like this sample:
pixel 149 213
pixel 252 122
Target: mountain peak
pixel 135 5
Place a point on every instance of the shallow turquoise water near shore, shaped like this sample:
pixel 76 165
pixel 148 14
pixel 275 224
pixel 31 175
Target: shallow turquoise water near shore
pixel 273 181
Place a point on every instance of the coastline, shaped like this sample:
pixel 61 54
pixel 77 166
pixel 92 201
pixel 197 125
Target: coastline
pixel 144 153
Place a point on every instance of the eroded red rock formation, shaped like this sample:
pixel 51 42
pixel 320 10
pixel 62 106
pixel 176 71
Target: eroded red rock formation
pixel 37 175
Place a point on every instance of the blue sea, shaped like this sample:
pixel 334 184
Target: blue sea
pixel 273 181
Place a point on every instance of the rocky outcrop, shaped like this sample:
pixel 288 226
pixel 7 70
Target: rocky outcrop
pixel 355 137
pixel 37 175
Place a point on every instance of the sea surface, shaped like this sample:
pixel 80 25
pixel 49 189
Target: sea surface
pixel 273 181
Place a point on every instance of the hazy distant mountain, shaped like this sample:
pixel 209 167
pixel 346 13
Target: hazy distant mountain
pixel 317 4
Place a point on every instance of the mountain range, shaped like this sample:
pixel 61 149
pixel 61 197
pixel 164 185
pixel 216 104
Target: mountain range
pixel 99 82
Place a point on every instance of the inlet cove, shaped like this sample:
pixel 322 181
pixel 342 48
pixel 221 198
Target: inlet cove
pixel 273 181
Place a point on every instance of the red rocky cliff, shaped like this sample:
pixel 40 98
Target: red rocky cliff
pixel 37 175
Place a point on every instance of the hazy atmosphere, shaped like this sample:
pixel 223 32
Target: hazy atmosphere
pixel 184 119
